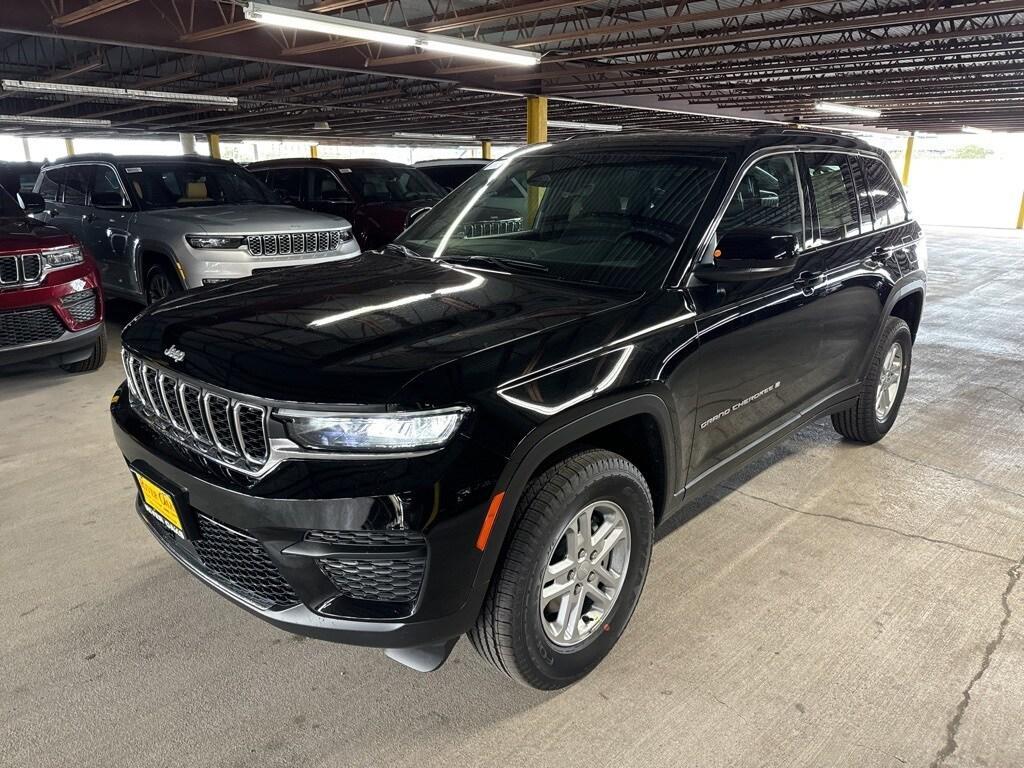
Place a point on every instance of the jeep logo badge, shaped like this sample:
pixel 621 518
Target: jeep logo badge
pixel 174 353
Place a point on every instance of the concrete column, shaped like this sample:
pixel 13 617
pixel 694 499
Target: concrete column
pixel 907 156
pixel 69 146
pixel 214 139
pixel 536 119
pixel 188 143
pixel 313 151
pixel 24 147
pixel 485 149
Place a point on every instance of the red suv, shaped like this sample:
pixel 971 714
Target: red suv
pixel 51 305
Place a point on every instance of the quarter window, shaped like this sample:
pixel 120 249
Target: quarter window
pixel 835 196
pixel 768 198
pixel 884 194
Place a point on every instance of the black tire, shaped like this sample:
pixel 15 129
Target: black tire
pixel 161 282
pixel 860 422
pixel 94 361
pixel 509 632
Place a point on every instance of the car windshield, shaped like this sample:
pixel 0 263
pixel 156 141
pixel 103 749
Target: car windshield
pixel 9 206
pixel 185 185
pixel 384 184
pixel 615 219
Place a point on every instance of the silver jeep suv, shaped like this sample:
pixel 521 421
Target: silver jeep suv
pixel 158 225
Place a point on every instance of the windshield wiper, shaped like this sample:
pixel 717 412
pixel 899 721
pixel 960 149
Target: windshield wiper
pixel 405 250
pixel 497 261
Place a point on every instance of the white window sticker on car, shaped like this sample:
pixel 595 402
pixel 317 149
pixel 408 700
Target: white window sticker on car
pixel 343 170
pixel 133 169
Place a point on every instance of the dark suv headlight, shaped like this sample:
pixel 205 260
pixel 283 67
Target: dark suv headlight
pixel 370 432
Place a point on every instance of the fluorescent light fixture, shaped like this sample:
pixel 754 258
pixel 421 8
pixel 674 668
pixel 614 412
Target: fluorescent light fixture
pixel 379 33
pixel 81 122
pixel 125 94
pixel 584 126
pixel 321 125
pixel 846 109
pixel 972 129
pixel 433 136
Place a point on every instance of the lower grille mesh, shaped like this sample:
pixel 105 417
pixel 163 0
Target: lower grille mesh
pixel 81 305
pixel 385 581
pixel 29 326
pixel 243 563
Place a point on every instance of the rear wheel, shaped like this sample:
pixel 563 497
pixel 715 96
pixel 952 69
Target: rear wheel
pixel 160 283
pixel 881 394
pixel 572 573
pixel 94 361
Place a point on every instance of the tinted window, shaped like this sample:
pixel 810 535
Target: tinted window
pixel 863 198
pixel 386 184
pixel 9 206
pixel 768 198
pixel 26 181
pixel 884 194
pixel 48 186
pixel 286 181
pixel 326 187
pixel 835 196
pixel 615 219
pixel 76 184
pixel 450 176
pixel 189 185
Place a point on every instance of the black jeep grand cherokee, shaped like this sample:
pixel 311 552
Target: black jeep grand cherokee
pixel 477 429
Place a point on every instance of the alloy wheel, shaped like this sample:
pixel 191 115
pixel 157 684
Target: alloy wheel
pixel 889 381
pixel 585 573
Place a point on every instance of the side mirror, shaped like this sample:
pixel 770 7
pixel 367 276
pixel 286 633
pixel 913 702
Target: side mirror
pixel 750 254
pixel 415 214
pixel 109 200
pixel 31 202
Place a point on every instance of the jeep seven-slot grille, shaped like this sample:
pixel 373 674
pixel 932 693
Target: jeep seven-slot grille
pixel 227 430
pixel 20 269
pixel 295 243
pixel 29 326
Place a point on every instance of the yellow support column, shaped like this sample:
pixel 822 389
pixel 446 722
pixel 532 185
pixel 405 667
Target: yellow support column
pixel 485 149
pixel 907 158
pixel 536 120
pixel 69 146
pixel 1020 215
pixel 214 139
pixel 313 151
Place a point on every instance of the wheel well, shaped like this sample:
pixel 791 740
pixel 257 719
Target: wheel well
pixel 908 309
pixel 149 258
pixel 637 439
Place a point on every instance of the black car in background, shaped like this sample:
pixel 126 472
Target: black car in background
pixel 376 196
pixel 18 177
pixel 477 429
pixel 449 174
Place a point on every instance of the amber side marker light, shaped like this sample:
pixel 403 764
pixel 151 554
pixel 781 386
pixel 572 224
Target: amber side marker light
pixel 492 515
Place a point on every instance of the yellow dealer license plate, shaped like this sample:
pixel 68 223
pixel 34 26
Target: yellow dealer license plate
pixel 160 504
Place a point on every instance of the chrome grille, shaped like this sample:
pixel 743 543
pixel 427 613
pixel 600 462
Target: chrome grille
pixel 296 243
pixel 226 430
pixel 21 269
pixel 491 228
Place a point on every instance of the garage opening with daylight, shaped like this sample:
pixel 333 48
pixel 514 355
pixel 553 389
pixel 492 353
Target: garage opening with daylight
pixel 617 383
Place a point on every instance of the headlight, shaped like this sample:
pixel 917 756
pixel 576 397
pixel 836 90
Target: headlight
pixel 63 257
pixel 416 430
pixel 214 241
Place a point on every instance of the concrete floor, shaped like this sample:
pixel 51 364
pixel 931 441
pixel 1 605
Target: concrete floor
pixel 838 605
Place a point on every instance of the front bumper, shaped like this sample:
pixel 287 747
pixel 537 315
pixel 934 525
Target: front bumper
pixel 213 265
pixel 261 554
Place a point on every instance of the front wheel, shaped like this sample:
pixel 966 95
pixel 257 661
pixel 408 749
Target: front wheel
pixel 160 283
pixel 572 573
pixel 881 394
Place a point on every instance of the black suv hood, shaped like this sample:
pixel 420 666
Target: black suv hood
pixel 354 331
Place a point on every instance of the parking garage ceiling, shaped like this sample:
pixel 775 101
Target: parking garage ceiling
pixel 926 65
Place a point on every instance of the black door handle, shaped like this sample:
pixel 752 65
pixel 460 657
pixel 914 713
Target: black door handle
pixel 809 281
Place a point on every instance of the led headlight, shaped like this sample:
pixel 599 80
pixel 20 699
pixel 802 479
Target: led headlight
pixel 370 432
pixel 63 257
pixel 214 241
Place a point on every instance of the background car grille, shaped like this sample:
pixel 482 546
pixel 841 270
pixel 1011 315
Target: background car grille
pixel 81 305
pixel 295 243
pixel 20 269
pixel 29 326
pixel 368 538
pixel 243 563
pixel 386 581
pixel 230 431
pixel 488 228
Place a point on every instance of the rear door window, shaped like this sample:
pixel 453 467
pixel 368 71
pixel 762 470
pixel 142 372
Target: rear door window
pixel 884 193
pixel 835 196
pixel 325 187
